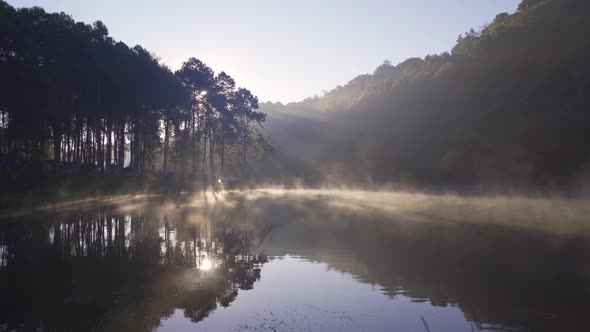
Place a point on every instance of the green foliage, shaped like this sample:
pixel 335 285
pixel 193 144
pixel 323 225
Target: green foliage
pixel 506 107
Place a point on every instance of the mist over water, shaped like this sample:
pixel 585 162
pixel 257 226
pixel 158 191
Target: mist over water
pixel 276 259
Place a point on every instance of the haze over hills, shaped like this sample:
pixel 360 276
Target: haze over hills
pixel 506 108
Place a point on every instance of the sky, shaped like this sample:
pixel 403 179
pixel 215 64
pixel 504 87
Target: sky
pixel 285 50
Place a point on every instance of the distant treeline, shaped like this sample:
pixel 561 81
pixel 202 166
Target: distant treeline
pixel 71 93
pixel 508 106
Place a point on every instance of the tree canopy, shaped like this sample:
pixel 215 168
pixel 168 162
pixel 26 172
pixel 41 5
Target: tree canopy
pixel 506 106
pixel 73 94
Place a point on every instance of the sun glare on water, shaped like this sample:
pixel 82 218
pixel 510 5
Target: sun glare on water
pixel 206 264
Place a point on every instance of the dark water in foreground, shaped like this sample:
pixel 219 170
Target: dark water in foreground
pixel 282 264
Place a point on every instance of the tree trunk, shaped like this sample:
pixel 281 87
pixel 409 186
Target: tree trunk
pixel 132 146
pixel 99 152
pixel 109 142
pixel 183 139
pixel 204 157
pixel 88 144
pixel 198 147
pixel 122 145
pixel 211 150
pixel 222 150
pixel 78 140
pixel 56 142
pixel 166 143
pixel 2 132
pixel 68 144
pixel 137 147
pixel 193 142
pixel 142 159
pixel 93 146
pixel 115 144
pixel 244 143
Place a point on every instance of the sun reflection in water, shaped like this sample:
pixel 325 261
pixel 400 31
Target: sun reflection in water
pixel 206 264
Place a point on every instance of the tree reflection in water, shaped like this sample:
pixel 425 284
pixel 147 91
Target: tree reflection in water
pixel 105 270
pixel 130 267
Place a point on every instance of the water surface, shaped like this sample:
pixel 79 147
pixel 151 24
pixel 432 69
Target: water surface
pixel 290 262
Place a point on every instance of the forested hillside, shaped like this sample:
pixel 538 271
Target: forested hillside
pixel 507 107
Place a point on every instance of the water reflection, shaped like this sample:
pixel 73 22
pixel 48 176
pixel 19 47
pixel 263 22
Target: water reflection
pixel 136 266
pixel 109 271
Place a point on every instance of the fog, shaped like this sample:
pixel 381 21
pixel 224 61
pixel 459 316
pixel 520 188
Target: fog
pixel 496 259
pixel 554 214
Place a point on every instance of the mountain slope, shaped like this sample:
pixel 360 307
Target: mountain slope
pixel 508 107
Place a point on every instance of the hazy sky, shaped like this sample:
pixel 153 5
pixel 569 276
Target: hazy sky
pixel 285 50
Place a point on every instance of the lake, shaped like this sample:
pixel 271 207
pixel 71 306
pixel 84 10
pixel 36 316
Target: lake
pixel 297 260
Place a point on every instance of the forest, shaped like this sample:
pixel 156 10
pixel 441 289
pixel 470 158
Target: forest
pixel 506 109
pixel 76 101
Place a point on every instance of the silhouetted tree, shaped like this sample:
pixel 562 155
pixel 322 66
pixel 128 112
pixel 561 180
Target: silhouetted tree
pixel 73 94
